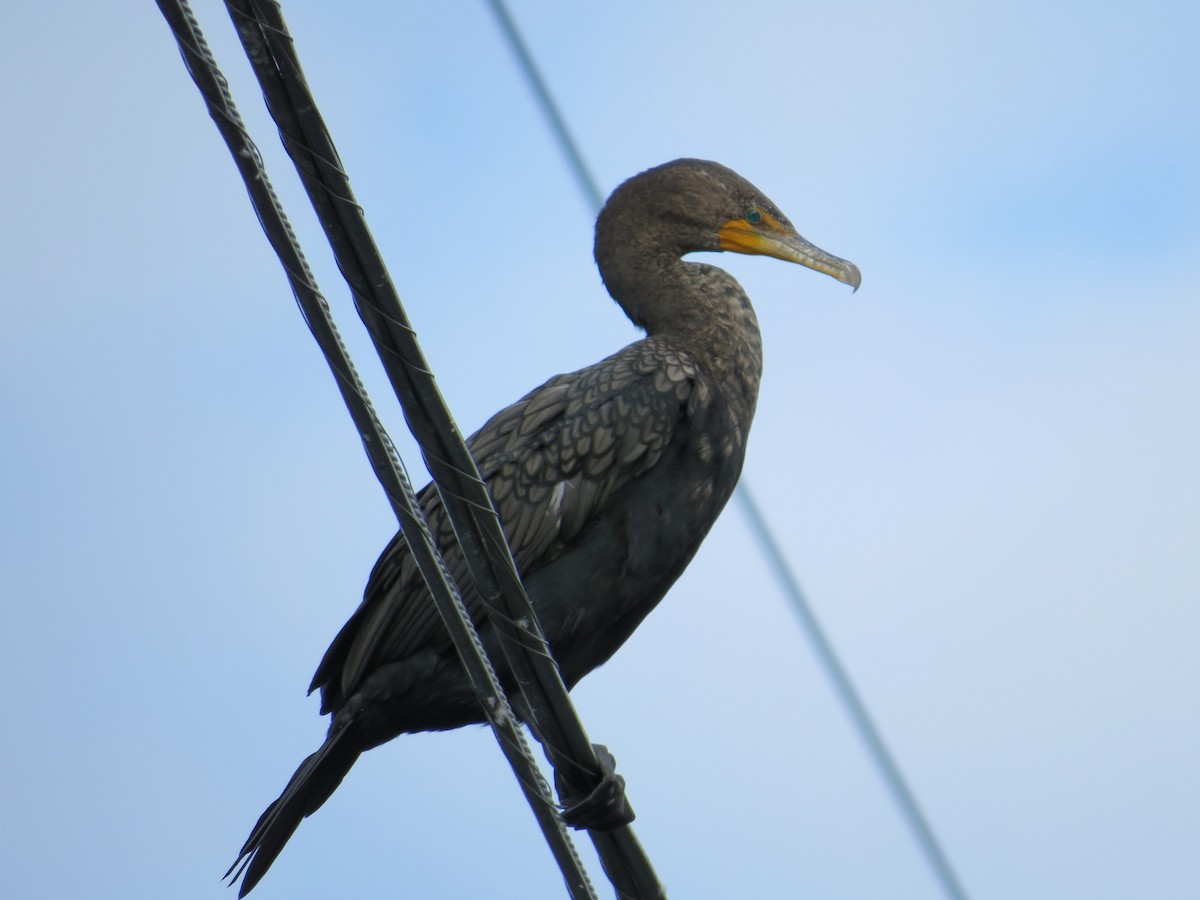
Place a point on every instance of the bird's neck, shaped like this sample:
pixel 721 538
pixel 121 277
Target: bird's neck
pixel 700 308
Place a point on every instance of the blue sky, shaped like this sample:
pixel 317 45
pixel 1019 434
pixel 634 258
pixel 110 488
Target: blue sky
pixel 982 465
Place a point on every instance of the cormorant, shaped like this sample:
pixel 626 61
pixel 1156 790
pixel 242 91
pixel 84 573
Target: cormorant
pixel 606 480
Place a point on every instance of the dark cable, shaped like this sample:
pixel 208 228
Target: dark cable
pixel 378 445
pixel 269 47
pixel 762 532
pixel 464 495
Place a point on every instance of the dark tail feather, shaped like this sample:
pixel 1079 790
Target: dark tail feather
pixel 317 778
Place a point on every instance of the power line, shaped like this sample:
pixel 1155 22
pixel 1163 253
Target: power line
pixel 850 699
pixel 543 695
pixel 788 582
pixel 380 450
pixel 587 183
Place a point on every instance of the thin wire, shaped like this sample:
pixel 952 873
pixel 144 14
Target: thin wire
pixel 851 700
pixel 567 143
pixel 778 563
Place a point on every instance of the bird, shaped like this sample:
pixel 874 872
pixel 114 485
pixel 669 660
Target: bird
pixel 606 481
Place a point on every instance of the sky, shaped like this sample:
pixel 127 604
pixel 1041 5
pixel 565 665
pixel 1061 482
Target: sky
pixel 982 465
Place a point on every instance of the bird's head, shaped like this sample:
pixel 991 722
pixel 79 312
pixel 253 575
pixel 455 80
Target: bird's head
pixel 693 204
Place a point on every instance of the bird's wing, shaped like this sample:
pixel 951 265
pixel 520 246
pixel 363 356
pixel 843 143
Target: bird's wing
pixel 551 461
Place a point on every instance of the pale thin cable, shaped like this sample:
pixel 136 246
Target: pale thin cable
pixel 778 563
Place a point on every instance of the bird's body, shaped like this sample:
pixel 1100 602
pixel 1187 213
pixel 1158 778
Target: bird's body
pixel 606 480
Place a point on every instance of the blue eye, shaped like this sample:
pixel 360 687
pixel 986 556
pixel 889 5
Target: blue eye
pixel 754 217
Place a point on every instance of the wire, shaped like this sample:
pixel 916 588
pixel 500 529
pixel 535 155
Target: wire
pixel 464 495
pixel 851 700
pixel 567 144
pixel 778 563
pixel 384 460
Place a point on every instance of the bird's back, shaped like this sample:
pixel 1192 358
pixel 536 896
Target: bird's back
pixel 606 481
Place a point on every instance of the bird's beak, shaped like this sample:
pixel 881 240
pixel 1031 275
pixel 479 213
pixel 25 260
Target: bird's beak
pixel 770 237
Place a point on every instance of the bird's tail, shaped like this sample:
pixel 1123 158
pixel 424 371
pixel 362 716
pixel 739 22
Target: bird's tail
pixel 317 778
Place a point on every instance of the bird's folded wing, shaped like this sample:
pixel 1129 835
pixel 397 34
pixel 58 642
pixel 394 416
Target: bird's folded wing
pixel 551 461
